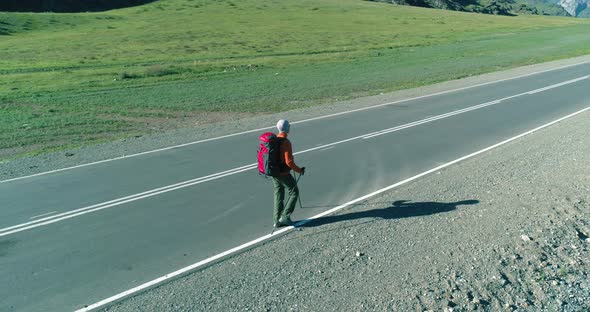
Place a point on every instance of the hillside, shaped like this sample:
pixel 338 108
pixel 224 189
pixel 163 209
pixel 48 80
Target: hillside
pixel 74 79
pixel 67 5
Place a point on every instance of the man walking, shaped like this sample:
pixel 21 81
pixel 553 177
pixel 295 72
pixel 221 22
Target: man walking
pixel 285 181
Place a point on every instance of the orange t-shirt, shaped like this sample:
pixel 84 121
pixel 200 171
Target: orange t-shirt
pixel 286 153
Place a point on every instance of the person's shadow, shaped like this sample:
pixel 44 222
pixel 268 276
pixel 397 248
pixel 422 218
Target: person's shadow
pixel 398 210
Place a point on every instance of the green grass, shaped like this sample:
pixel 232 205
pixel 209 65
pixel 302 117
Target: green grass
pixel 74 79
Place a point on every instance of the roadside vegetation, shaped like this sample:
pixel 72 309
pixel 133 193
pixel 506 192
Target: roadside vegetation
pixel 75 79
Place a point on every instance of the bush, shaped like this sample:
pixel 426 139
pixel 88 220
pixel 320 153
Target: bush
pixel 159 71
pixel 126 75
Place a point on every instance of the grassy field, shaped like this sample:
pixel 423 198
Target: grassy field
pixel 74 79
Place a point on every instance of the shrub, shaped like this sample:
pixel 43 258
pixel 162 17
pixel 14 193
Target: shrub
pixel 159 71
pixel 126 75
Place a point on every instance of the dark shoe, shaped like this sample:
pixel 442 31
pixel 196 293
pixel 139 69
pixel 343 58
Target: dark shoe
pixel 286 220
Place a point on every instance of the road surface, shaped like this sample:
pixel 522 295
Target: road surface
pixel 75 237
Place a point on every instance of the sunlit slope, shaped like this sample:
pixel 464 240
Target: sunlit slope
pixel 72 79
pixel 184 30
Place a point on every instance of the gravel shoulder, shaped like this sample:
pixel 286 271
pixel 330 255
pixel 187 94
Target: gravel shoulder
pixel 503 231
pixel 237 123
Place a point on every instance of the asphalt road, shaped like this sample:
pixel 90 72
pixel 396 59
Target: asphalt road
pixel 140 218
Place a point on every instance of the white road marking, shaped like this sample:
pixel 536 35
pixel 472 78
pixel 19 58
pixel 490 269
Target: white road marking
pixel 39 216
pixel 119 201
pixel 559 85
pixel 116 202
pixel 295 122
pixel 457 112
pixel 386 131
pixel 234 250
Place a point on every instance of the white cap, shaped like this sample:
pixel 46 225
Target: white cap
pixel 283 125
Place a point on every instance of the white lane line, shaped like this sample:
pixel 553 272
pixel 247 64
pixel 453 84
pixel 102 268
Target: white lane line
pixel 266 237
pixel 416 123
pixel 559 85
pixel 295 122
pixel 116 202
pixel 119 201
pixel 69 216
pixel 386 131
pixel 39 216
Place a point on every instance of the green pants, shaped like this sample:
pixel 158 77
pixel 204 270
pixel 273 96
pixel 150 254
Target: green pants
pixel 280 184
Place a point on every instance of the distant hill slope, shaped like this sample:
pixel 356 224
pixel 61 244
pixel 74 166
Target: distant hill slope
pixel 70 6
pixel 69 79
pixel 496 7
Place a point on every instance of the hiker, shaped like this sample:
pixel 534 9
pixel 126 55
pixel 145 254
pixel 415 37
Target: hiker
pixel 282 210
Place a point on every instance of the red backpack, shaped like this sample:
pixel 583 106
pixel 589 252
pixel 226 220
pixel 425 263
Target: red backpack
pixel 268 155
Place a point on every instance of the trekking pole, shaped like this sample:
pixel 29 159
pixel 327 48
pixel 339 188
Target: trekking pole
pixel 300 205
pixel 297 186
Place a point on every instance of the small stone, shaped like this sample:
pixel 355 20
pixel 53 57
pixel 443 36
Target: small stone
pixel 554 283
pixel 358 254
pixel 525 238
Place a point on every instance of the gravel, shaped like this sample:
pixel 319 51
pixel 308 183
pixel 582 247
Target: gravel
pixel 507 230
